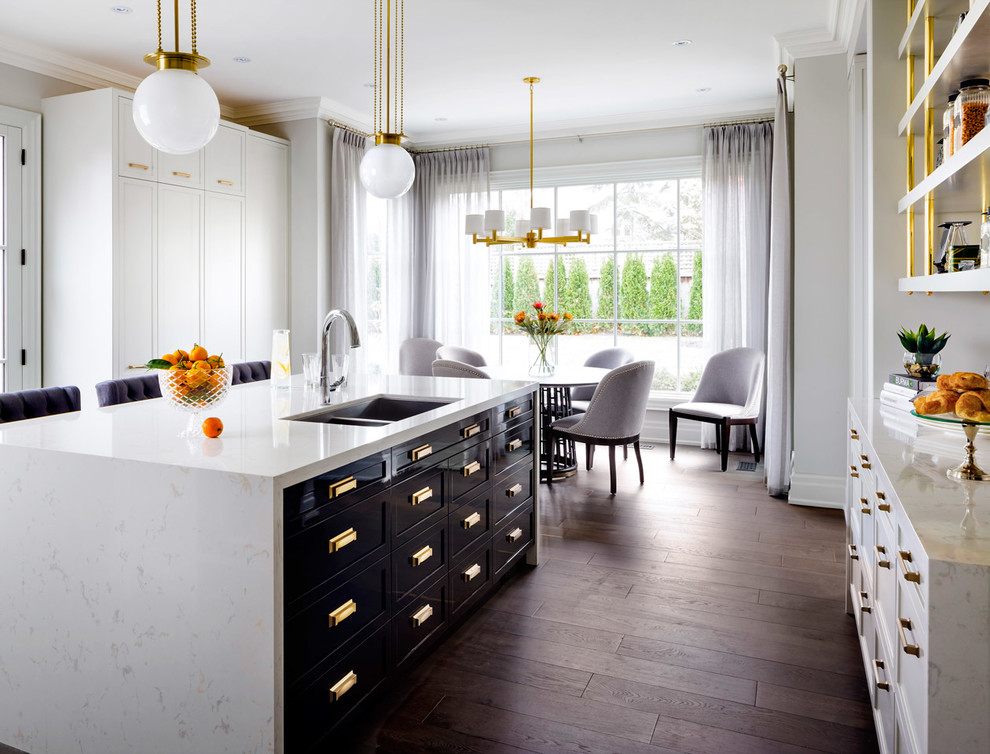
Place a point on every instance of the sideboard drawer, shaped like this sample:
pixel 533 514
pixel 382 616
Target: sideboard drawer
pixel 419 618
pixel 419 558
pixel 416 499
pixel 470 522
pixel 512 446
pixel 515 411
pixel 335 489
pixel 911 648
pixel 513 537
pixel 470 576
pixel 328 546
pixel 912 563
pixel 512 490
pixel 433 447
pixel 469 469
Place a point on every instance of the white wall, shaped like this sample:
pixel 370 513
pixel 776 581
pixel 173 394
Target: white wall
pixel 821 298
pixel 26 89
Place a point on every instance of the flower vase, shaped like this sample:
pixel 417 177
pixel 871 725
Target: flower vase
pixel 540 358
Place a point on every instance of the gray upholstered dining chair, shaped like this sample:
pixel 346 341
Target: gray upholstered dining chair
pixel 128 390
pixel 615 415
pixel 250 371
pixel 416 356
pixel 449 368
pixel 607 358
pixel 463 355
pixel 730 393
pixel 31 404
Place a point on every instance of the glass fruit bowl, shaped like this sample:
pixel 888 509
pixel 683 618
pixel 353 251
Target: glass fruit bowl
pixel 195 390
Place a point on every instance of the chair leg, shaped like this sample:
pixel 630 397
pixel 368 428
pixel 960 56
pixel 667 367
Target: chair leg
pixel 550 460
pixel 724 428
pixel 718 438
pixel 589 456
pixel 639 460
pixel 611 467
pixel 756 443
pixel 625 452
pixel 672 424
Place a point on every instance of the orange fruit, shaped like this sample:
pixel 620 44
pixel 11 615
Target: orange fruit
pixel 216 361
pixel 202 365
pixel 171 358
pixel 212 427
pixel 198 353
pixel 183 355
pixel 196 377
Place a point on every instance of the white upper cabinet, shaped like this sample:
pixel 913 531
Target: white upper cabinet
pixel 135 157
pixel 225 161
pixel 181 169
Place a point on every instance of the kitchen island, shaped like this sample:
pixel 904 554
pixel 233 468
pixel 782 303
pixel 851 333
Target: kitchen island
pixel 163 595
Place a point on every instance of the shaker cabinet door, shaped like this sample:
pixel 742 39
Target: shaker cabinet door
pixel 136 158
pixel 225 161
pixel 134 264
pixel 222 276
pixel 180 241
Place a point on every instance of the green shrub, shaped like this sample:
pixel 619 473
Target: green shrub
pixel 695 309
pixel 633 290
pixel 663 294
pixel 527 288
pixel 577 296
pixel 606 291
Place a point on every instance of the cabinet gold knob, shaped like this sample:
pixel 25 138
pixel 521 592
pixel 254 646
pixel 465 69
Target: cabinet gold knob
pixel 903 626
pixel 471 520
pixel 513 412
pixel 418 497
pixel 421 556
pixel 421 452
pixel 343 539
pixel 514 445
pixel 342 686
pixel 343 612
pixel 877 667
pixel 344 485
pixel 471 468
pixel 421 616
pixel 470 431
pixel 470 573
pixel 513 535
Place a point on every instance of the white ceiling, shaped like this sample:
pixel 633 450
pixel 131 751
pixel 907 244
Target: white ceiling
pixel 603 65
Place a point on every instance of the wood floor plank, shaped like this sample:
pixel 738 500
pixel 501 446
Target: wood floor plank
pixel 563 634
pixel 484 656
pixel 754 721
pixel 809 703
pixel 799 602
pixel 695 738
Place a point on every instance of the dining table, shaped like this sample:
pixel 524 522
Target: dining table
pixel 555 403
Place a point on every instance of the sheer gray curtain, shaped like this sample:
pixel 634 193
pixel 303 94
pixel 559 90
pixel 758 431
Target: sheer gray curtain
pixel 348 227
pixel 779 433
pixel 736 180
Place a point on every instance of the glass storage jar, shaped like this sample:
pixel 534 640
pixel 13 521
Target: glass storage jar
pixel 970 110
pixel 948 125
pixel 985 239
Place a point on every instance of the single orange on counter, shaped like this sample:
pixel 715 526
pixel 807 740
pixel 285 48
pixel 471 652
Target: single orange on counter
pixel 212 427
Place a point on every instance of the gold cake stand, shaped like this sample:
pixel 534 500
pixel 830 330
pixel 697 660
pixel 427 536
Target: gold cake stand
pixel 968 469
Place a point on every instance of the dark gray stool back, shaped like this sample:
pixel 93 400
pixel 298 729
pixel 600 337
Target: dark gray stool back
pixel 128 390
pixel 30 404
pixel 251 371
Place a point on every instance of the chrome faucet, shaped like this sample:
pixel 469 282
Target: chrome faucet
pixel 332 316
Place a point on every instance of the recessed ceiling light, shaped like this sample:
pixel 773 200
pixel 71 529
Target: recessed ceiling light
pixel 682 42
pixel 369 85
pixel 120 9
pixel 441 119
pixel 704 89
pixel 242 59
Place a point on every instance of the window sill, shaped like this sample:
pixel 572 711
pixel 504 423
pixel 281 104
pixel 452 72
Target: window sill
pixel 662 400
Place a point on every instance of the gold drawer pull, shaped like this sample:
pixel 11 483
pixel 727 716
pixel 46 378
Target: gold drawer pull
pixel 343 612
pixel 883 563
pixel 421 616
pixel 421 452
pixel 471 520
pixel 470 431
pixel 905 558
pixel 343 539
pixel 470 468
pixel 181 175
pixel 853 555
pixel 514 445
pixel 421 556
pixel 881 496
pixel 863 598
pixel 138 165
pixel 853 472
pixel 885 507
pixel 514 490
pixel 344 485
pixel 904 624
pixel 865 458
pixel 854 434
pixel 342 686
pixel 513 412
pixel 471 572
pixel 418 497
pixel 867 465
pixel 877 667
pixel 224 183
pixel 137 366
pixel 513 535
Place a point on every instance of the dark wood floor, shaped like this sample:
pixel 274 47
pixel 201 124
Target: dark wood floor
pixel 694 614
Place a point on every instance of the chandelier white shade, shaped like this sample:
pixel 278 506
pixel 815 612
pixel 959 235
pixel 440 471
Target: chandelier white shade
pixel 387 170
pixel 577 228
pixel 174 109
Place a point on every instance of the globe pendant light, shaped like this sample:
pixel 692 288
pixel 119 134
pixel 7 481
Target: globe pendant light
pixel 174 109
pixel 387 171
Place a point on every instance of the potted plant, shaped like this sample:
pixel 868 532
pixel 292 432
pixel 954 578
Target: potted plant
pixel 921 351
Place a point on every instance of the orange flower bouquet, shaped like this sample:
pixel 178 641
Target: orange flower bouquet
pixel 541 327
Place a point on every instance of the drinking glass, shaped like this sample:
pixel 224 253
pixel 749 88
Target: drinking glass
pixel 311 368
pixel 280 358
pixel 339 362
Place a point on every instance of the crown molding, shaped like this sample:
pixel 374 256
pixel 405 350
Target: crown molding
pixel 832 40
pixel 300 109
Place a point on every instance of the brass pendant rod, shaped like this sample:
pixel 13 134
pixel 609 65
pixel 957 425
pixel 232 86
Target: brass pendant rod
pixel 192 12
pixel 531 145
pixel 176 19
pixel 388 66
pixel 160 26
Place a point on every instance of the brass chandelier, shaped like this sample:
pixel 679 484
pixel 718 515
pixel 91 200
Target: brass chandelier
pixel 529 232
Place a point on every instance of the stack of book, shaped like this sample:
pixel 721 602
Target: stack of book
pixel 900 390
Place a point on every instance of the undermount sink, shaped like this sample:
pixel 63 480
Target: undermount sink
pixel 373 412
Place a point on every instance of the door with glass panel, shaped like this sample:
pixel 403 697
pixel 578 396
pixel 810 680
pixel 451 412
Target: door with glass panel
pixel 10 249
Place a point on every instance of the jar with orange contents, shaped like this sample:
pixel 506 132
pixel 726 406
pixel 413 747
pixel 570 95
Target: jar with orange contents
pixel 970 110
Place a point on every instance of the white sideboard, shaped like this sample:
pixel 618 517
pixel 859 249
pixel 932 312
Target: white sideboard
pixel 146 252
pixel 918 568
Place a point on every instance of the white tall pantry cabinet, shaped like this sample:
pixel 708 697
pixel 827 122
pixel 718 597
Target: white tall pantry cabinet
pixel 146 252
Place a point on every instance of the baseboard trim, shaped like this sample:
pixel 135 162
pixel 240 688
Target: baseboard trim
pixel 817 490
pixel 656 429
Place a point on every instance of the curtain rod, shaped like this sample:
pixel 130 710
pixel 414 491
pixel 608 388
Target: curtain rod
pixel 782 71
pixel 765 119
pixel 352 129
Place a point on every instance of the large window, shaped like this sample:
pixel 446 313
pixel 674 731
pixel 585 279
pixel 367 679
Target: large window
pixel 637 284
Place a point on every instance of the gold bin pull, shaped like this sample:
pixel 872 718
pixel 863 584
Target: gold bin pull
pixel 866 507
pixel 514 490
pixel 418 497
pixel 514 412
pixel 343 539
pixel 863 598
pixel 343 612
pixel 224 183
pixel 905 558
pixel 471 520
pixel 138 165
pixel 853 555
pixel 471 572
pixel 882 562
pixel 513 535
pixel 877 667
pixel 421 616
pixel 514 445
pixel 344 485
pixel 342 686
pixel 471 468
pixel 903 625
pixel 470 431
pixel 421 452
pixel 421 556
